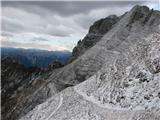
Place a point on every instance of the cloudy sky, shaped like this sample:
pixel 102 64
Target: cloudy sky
pixel 54 25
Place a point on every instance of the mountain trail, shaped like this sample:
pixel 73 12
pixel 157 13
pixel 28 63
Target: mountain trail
pixel 59 105
pixel 97 103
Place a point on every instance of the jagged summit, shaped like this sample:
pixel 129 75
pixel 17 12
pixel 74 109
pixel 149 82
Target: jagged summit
pixel 95 33
pixel 102 26
pixel 140 13
pixel 117 77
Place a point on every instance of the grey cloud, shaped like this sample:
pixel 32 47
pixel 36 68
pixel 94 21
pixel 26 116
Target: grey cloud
pixel 66 8
pixel 13 44
pixel 26 22
pixel 39 39
pixel 58 18
pixel 10 25
pixel 23 45
pixel 7 34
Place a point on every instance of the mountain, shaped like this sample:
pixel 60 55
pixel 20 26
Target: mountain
pixel 95 33
pixel 35 57
pixel 115 79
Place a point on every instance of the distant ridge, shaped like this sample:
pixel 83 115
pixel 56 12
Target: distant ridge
pixel 36 57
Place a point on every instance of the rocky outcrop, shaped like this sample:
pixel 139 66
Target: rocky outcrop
pixel 96 32
pixel 56 64
pixel 125 81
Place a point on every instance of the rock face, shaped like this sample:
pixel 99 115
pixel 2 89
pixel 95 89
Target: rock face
pixel 121 73
pixel 11 69
pixel 14 77
pixel 96 32
pixel 18 83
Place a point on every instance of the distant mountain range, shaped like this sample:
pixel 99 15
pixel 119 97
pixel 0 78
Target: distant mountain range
pixel 35 57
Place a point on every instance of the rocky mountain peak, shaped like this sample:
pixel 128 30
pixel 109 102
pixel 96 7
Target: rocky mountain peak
pixel 140 9
pixel 95 33
pixel 140 13
pixel 102 26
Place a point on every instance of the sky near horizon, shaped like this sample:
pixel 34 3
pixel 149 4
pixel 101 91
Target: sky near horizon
pixel 55 25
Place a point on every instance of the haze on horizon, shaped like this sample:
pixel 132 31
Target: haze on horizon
pixel 55 25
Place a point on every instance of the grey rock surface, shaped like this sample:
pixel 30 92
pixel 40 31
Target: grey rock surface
pixel 14 75
pixel 95 33
pixel 121 73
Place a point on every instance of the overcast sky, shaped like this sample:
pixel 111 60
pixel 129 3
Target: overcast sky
pixel 54 25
